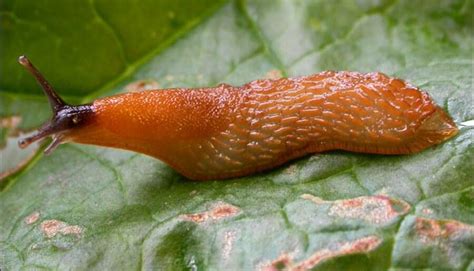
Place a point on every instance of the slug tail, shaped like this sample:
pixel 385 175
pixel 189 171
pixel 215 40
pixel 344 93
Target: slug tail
pixel 437 127
pixel 65 116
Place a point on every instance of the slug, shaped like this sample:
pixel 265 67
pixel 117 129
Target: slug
pixel 225 131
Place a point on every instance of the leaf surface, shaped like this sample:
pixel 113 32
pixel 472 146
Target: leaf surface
pixel 85 207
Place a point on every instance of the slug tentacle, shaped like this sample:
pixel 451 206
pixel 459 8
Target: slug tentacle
pixel 65 116
pixel 226 131
pixel 54 100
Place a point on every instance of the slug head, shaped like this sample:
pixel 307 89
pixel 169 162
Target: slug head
pixel 65 117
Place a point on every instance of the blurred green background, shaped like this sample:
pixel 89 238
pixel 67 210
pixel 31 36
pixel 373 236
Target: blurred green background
pixel 113 209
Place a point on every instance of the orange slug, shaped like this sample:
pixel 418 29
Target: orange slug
pixel 226 131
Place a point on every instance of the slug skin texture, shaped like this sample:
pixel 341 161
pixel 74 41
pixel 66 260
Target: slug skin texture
pixel 226 131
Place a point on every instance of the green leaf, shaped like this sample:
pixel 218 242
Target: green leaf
pixel 85 207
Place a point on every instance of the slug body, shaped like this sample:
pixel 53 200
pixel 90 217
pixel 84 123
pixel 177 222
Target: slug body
pixel 226 131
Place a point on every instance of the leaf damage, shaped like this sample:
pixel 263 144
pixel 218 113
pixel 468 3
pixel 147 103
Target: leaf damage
pixel 362 245
pixel 378 209
pixel 52 227
pixel 142 85
pixel 32 218
pixel 219 211
pixel 273 74
pixel 11 123
pixel 442 233
pixel 449 242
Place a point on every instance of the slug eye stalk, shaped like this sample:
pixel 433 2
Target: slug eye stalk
pixel 54 100
pixel 65 116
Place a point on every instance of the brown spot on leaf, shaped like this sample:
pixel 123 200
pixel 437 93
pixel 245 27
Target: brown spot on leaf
pixel 75 229
pixel 314 199
pixel 142 85
pixel 219 211
pixel 9 127
pixel 362 245
pixel 52 227
pixel 378 209
pixel 198 218
pixel 449 242
pixel 440 231
pixel 224 210
pixel 32 218
pixel 10 123
pixel 273 74
pixel 427 211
